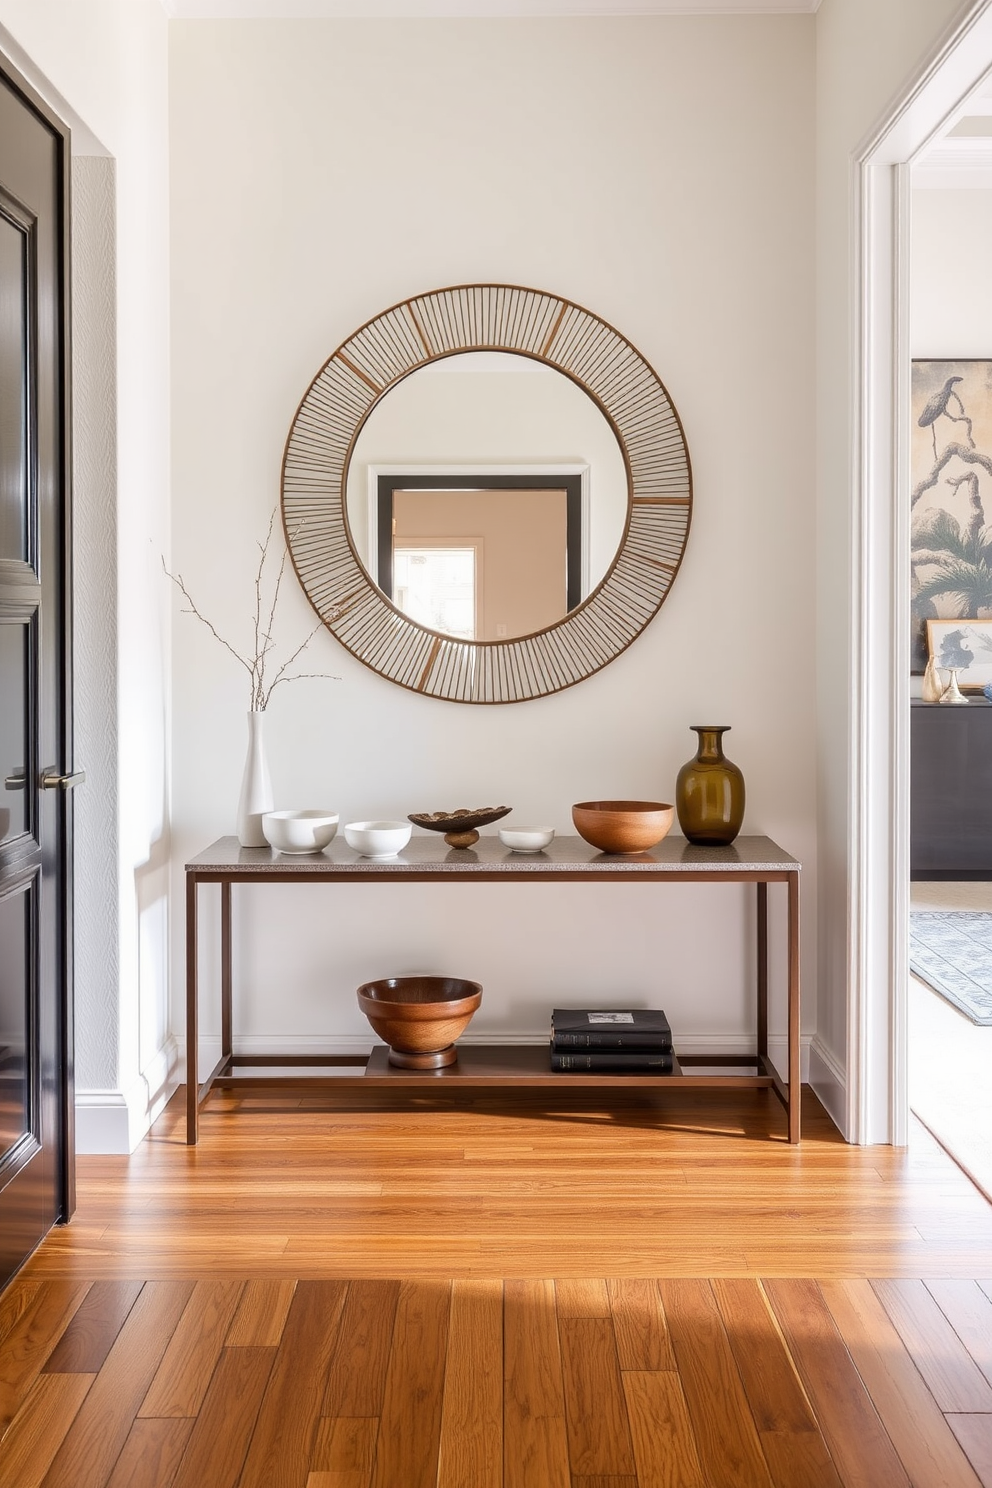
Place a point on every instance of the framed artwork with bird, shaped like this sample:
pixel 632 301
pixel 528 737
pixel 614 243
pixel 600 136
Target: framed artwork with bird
pixel 964 646
pixel 951 500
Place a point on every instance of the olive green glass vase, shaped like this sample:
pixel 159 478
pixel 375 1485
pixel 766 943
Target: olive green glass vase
pixel 709 792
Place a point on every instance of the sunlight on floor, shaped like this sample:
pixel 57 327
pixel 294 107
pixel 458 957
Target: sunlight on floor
pixel 950 1058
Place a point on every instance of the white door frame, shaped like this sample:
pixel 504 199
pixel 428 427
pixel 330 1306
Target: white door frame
pixel 878 930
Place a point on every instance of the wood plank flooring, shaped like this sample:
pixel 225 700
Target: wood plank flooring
pixel 491 1384
pixel 497 1294
pixel 685 1184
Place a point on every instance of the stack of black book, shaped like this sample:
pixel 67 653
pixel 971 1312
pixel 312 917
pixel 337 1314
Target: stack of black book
pixel 632 1041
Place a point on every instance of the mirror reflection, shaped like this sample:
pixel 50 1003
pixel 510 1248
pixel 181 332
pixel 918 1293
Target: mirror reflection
pixel 451 554
pixel 487 495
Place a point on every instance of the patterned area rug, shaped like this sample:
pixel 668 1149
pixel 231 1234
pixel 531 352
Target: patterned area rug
pixel 951 950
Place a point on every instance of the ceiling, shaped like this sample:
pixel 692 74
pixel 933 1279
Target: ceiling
pixel 961 156
pixel 310 9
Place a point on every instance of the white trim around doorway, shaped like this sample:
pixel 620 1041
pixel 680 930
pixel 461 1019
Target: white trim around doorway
pixel 878 745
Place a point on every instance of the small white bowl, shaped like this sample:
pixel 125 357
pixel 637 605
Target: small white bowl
pixel 299 831
pixel 378 839
pixel 526 839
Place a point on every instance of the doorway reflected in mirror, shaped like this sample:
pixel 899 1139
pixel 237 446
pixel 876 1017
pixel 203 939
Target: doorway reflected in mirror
pixel 507 585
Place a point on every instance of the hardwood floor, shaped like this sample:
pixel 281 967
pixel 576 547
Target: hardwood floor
pixel 505 1295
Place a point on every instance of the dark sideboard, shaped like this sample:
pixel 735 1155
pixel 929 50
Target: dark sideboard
pixel 951 791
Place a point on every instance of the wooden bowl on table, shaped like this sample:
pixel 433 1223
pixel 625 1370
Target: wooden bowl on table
pixel 622 826
pixel 420 1017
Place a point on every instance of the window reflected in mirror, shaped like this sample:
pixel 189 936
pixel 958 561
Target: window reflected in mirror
pixel 435 583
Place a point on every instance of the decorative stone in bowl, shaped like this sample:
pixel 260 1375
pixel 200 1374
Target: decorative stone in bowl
pixel 623 826
pixel 420 1017
pixel 459 827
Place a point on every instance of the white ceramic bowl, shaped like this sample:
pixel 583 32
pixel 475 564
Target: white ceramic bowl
pixel 378 839
pixel 526 839
pixel 299 831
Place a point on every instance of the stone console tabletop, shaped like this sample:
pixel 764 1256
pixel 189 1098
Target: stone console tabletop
pixel 427 858
pixel 429 855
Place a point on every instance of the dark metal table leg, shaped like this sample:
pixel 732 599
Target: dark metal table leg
pixel 795 1076
pixel 762 970
pixel 225 970
pixel 192 1025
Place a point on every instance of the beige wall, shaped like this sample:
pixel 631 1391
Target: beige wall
pixel 660 171
pixel 951 287
pixel 657 170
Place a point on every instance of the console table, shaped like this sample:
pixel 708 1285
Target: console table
pixel 754 860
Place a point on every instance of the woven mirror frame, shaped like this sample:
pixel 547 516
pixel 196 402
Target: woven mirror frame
pixel 443 323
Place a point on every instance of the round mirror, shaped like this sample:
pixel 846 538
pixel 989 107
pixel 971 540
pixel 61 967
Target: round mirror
pixel 486 493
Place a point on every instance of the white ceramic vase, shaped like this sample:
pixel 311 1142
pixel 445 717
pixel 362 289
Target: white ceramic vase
pixel 932 689
pixel 256 787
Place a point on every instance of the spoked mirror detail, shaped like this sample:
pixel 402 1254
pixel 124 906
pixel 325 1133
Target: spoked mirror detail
pixel 426 330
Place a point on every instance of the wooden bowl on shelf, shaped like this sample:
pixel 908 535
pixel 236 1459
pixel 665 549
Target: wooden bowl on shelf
pixel 420 1017
pixel 623 826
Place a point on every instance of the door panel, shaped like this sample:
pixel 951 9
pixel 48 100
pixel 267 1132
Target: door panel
pixel 15 746
pixel 23 1201
pixel 14 246
pixel 35 737
pixel 16 1020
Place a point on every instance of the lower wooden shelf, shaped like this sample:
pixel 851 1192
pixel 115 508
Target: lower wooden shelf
pixel 517 1066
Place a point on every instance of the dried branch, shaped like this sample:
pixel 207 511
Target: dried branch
pixel 272 615
pixel 177 579
pixel 300 677
pixel 264 638
pixel 281 674
pixel 263 550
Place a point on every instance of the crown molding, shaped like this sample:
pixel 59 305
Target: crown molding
pixel 955 163
pixel 970 177
pixel 291 10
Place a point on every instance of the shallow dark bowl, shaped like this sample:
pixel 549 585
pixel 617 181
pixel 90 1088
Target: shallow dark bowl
pixel 623 826
pixel 463 820
pixel 420 1017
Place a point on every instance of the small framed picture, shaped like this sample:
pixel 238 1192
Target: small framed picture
pixel 965 644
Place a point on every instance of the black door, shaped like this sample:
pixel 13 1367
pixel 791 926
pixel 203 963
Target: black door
pixel 35 739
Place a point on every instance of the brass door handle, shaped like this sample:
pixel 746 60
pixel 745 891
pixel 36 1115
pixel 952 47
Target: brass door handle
pixel 52 780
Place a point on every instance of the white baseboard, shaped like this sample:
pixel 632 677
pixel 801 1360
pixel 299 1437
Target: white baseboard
pixel 113 1122
pixel 829 1082
pixel 103 1123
